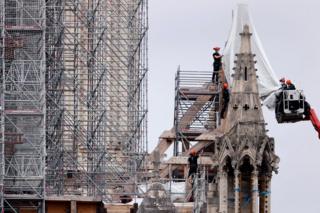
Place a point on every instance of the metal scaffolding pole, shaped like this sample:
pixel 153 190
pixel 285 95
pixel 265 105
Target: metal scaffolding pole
pixel 2 164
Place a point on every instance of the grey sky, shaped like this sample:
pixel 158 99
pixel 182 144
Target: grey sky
pixel 184 32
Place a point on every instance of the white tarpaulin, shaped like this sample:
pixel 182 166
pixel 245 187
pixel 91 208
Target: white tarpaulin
pixel 268 81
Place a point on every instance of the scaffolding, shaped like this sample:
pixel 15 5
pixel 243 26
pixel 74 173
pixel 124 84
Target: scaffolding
pixel 73 99
pixel 23 104
pixel 196 107
pixel 200 188
pixel 96 99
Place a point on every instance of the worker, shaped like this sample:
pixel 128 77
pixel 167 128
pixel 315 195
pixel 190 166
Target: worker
pixel 193 163
pixel 216 64
pixel 279 95
pixel 283 102
pixel 193 168
pixel 226 98
pixel 290 85
pixel 283 83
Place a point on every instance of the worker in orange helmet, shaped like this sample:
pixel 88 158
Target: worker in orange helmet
pixel 193 169
pixel 290 85
pixel 225 85
pixel 216 64
pixel 226 98
pixel 193 162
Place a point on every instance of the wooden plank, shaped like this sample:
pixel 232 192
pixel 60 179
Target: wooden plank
pixel 73 197
pixel 197 147
pixel 165 141
pixel 189 116
pixel 212 135
pixel 183 160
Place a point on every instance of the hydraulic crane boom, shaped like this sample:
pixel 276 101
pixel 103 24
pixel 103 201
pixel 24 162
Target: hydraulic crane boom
pixel 315 121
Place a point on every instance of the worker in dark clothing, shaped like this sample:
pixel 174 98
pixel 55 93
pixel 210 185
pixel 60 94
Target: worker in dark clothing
pixel 283 83
pixel 193 168
pixel 226 98
pixel 193 163
pixel 280 104
pixel 290 85
pixel 216 64
pixel 279 96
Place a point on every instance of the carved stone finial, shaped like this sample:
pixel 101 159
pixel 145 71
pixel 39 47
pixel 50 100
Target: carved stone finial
pixel 245 40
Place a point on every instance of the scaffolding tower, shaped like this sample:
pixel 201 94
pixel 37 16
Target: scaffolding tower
pixel 196 110
pixel 73 99
pixel 23 104
pixel 96 100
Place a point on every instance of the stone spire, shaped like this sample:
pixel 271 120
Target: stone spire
pixel 246 153
pixel 244 105
pixel 268 81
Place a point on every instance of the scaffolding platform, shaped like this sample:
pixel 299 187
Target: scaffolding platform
pixel 24 112
pixel 23 28
pixel 196 102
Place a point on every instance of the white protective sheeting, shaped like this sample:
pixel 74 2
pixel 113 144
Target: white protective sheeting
pixel 268 81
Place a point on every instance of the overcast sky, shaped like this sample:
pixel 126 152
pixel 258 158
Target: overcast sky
pixel 183 32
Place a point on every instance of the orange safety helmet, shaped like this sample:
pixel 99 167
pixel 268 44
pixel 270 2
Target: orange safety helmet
pixel 225 85
pixel 288 82
pixel 216 48
pixel 193 152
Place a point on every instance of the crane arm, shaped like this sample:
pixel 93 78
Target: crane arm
pixel 314 120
